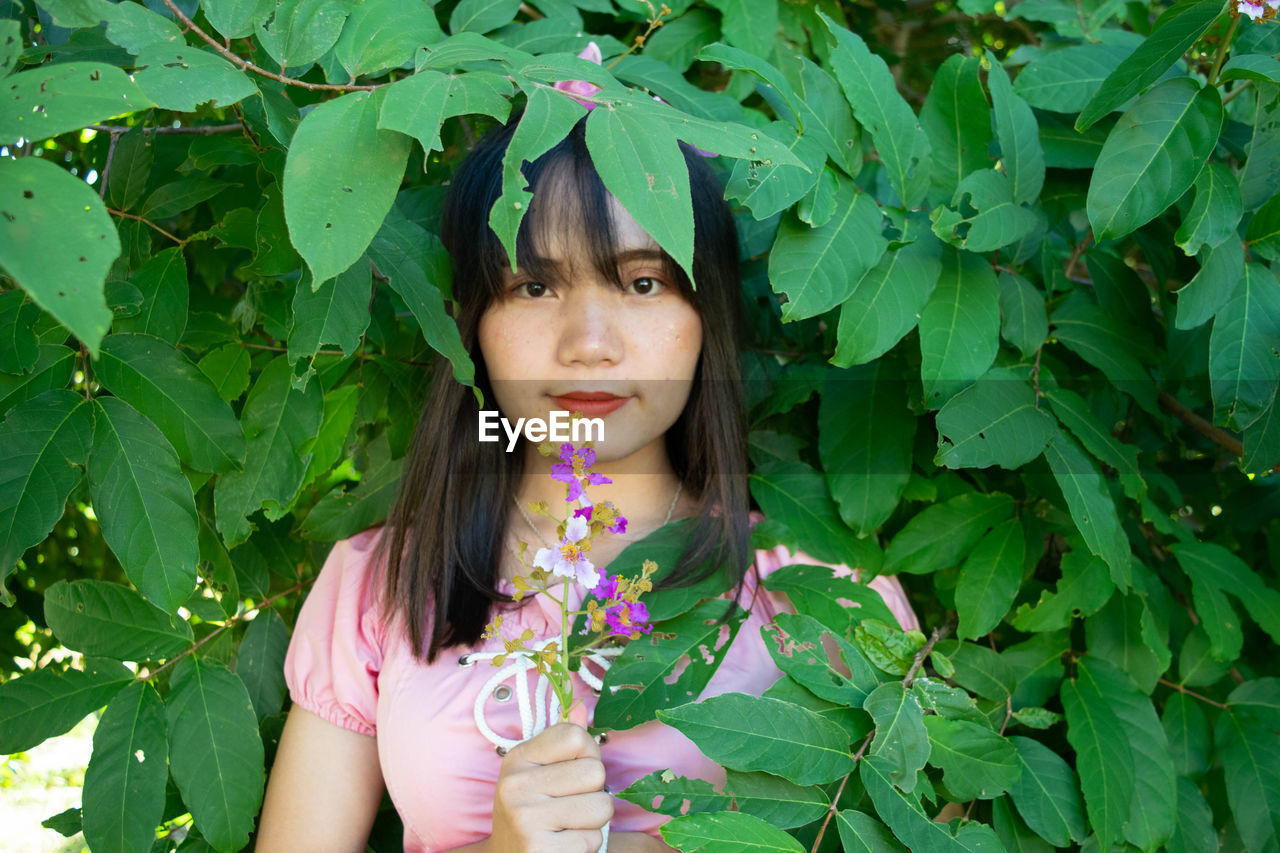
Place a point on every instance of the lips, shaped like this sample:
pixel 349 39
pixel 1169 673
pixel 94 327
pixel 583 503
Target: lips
pixel 592 404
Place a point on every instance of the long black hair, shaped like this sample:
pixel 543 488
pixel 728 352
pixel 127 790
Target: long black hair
pixel 443 538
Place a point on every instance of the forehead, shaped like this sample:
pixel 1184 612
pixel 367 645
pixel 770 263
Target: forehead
pixel 565 229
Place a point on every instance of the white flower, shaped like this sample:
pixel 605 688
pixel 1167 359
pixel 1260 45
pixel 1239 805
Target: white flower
pixel 567 560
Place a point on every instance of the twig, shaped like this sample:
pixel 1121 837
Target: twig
pixel 1193 694
pixel 1077 252
pixel 1236 92
pixel 246 65
pixel 193 130
pixel 655 21
pixel 835 801
pixel 106 167
pixel 938 633
pixel 1217 435
pixel 1222 50
pixel 145 221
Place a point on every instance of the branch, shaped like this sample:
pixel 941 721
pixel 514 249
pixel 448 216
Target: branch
pixel 148 222
pixel 1077 252
pixel 866 741
pixel 1217 435
pixel 193 130
pixel 938 633
pixel 1193 694
pixel 106 166
pixel 246 65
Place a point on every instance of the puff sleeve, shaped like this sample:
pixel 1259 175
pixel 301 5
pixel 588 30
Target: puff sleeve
pixel 335 653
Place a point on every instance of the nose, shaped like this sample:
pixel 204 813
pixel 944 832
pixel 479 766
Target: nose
pixel 590 333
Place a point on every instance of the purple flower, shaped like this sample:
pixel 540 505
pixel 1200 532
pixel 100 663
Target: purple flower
pixel 628 619
pixel 607 588
pixel 619 526
pixel 572 470
pixel 567 559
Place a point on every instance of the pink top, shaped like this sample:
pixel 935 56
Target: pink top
pixel 344 666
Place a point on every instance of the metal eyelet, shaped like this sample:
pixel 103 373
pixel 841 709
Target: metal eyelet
pixel 602 738
pixel 502 693
pixel 466 660
pixel 501 750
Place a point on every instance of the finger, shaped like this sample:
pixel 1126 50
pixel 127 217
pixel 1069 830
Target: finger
pixel 581 811
pixel 561 742
pixel 563 779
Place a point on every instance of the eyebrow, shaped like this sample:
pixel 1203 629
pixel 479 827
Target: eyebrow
pixel 625 256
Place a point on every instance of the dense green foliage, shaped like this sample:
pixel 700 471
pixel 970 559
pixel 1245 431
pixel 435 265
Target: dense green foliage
pixel 1015 337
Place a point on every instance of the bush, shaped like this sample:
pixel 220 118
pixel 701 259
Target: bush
pixel 962 228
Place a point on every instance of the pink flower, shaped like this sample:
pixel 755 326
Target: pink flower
pixel 574 470
pixel 628 619
pixel 1254 10
pixel 567 559
pixel 581 87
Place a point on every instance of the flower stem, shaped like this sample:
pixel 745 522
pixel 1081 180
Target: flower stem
pixel 1222 50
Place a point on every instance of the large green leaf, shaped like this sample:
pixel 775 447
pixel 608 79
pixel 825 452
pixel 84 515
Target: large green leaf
pixel 1213 566
pixel 215 752
pixel 1103 757
pixel 995 421
pixel 1260 176
pixel 334 202
pixel 1187 730
pixel 909 822
pixel 1195 829
pixel 481 16
pixel 824 111
pixel 1244 349
pixel 384 34
pixel 260 662
pixel 865 435
pixel 1091 506
pixel 640 162
pixel 124 783
pixel 1016 130
pixel 108 619
pixel 1261 442
pixel 1215 212
pixel 957 120
pixel 1047 793
pixel 52 99
pixel 941 535
pixel 976 762
pixel 236 18
pixel 52 370
pixel 1263 233
pixel 819 592
pixel 996 221
pixel 47 703
pixel 730 832
pixel 1153 155
pixel 1107 342
pixel 855 723
pixel 162 280
pixel 58 243
pixel 1175 31
pixel 278 419
pixel 298 32
pixel 795 642
pixel 749 24
pixel 783 804
pixel 1023 321
pixel 745 732
pixel 335 312
pixel 144 503
pixel 1250 756
pixel 1084 587
pixel 1076 416
pixel 769 189
pixel 19 348
pixel 775 87
pixel 959 326
pixel 161 383
pixel 340 513
pixel 182 77
pixel 888 301
pixel 901 741
pixel 419 104
pixel 46 441
pixel 989 579
pixel 899 139
pixel 1116 634
pixel 642 671
pixel 795 495
pixel 665 793
pixel 861 833
pixel 1064 80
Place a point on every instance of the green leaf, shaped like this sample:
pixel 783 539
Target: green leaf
pixel 749 24
pixel 227 367
pixel 774 799
pixel 111 620
pixel 1103 757
pixel 887 301
pixel 236 18
pixel 744 732
pixel 665 546
pixel 52 99
pixel 940 698
pixel 144 503
pixel 1215 213
pixel 419 104
pixel 941 535
pixel 976 762
pixel 336 312
pixel 182 77
pixel 796 495
pixel 260 662
pixel 162 384
pixel 341 514
pixel 636 685
pixel 989 579
pixel 1047 794
pixel 795 642
pixel 909 822
pixel 979 669
pixel 1250 755
pixel 1115 634
pixel 1023 321
pixel 481 16
pixel 1064 80
pixel 898 136
pixel 865 437
pixel 959 326
pixel 334 203
pixel 10 45
pixel 1017 132
pixel 730 832
pixel 1107 342
pixel 1261 442
pixel 665 793
pixel 678 41
pixel 58 243
pixel 818 268
pixel 1076 416
pixel 1084 587
pixel 996 222
pixel 775 88
pixel 1013 833
pixel 125 781
pixel 1260 176
pixel 890 648
pixel 855 723
pixel 1213 566
pixel 1251 67
pixel 901 741
pixel 46 441
pixel 215 752
pixel 46 703
pixel 1092 508
pixel 640 162
pixel 861 833
pixel 406 255
pixel 769 189
pixel 837 601
pixel 995 421
pixel 162 280
pixel 1037 666
pixel 1244 349
pixel 181 195
pixel 298 32
pixel 52 370
pixel 1064 148
pixel 1263 234
pixel 823 110
pixel 1153 155
pixel 1195 829
pixel 19 348
pixel 383 34
pixel 1187 730
pixel 957 120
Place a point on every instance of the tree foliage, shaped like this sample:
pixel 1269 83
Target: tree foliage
pixel 1014 337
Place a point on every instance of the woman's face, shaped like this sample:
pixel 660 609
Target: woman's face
pixel 575 341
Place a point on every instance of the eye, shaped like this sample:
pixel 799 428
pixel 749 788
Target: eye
pixel 533 289
pixel 646 285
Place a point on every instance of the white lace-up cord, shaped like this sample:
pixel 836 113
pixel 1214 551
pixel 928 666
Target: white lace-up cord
pixel 535 716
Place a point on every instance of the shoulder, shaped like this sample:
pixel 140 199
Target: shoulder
pixel 349 583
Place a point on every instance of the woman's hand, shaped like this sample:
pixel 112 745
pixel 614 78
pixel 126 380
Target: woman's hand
pixel 549 797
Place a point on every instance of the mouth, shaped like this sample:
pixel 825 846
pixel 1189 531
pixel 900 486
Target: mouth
pixel 592 404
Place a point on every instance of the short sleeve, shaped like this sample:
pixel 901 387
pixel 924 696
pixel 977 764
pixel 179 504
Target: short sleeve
pixel 769 561
pixel 335 653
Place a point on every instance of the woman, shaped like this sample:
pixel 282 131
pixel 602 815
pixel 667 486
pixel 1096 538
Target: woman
pixel 383 667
